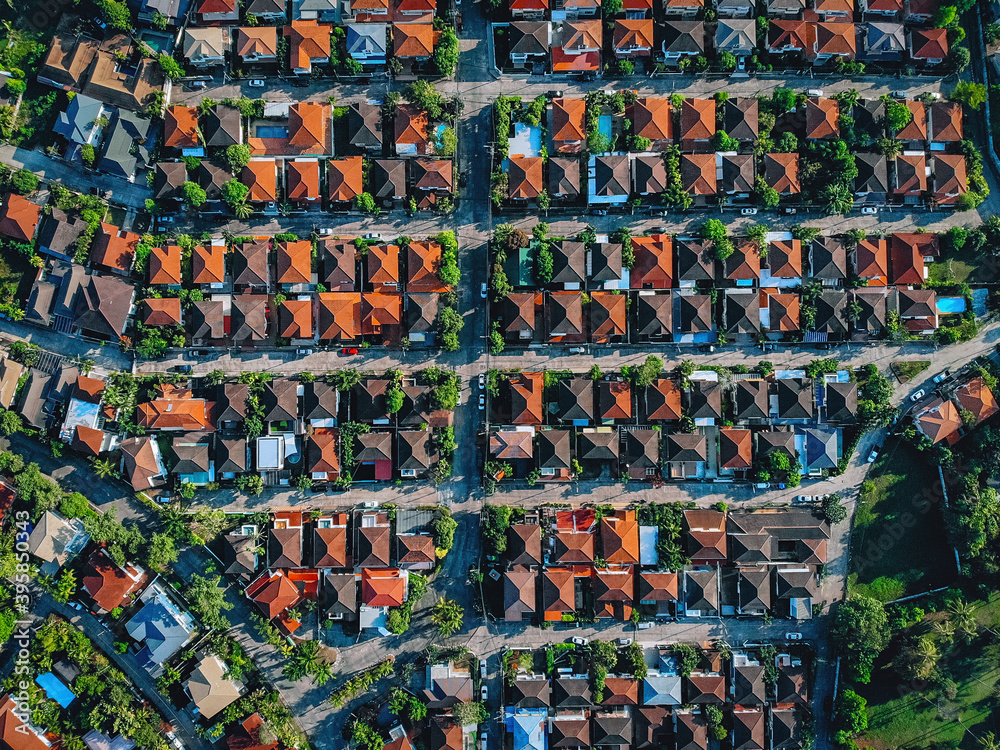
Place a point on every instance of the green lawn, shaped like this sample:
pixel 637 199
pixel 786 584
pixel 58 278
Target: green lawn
pixel 892 512
pixel 906 370
pixel 926 717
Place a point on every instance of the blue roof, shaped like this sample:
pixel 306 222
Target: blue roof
pixel 55 689
pixel 527 728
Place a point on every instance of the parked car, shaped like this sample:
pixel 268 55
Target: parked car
pixel 196 353
pixel 793 636
pixel 741 63
pixel 790 211
pixel 577 350
pixel 484 693
pixel 256 83
pixel 599 211
pixel 303 352
pixel 814 92
pixel 918 395
pixel 348 352
pixel 624 641
pixel 325 232
pixel 578 641
pixel 482 381
pixel 373 236
pixel 941 376
pixel 186 369
pixel 482 290
pixel 482 667
pixel 482 401
pixel 749 212
pixel 197 84
pixel 874 454
pixel 707 348
pixel 802 499
pixel 76 605
pixel 899 95
pixel 869 210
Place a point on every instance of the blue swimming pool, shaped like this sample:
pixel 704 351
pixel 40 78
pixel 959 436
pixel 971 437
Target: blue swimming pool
pixel 272 131
pixel 951 304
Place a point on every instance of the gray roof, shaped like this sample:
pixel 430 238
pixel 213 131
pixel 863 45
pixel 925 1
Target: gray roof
pixel 33 396
pixel 685 37
pixel 364 125
pixel 820 448
pixel 77 122
pixel 841 401
pixel 529 37
pixel 873 174
pixel 694 260
pixel 742 312
pixel 223 126
pixel 59 232
pixel 740 117
pixel 795 398
pixel 884 40
pixel 366 39
pixel 661 690
pixel 103 305
pixel 828 258
pixel 736 35
pixel 564 175
pixel 168 177
pixel 388 178
pixel 611 175
pixel 737 173
pixel 751 399
pixel 126 146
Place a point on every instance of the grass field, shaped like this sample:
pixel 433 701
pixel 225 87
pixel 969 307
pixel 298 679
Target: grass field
pixel 893 511
pixel 915 715
pixel 907 369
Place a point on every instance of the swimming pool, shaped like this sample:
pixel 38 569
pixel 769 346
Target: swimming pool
pixel 951 304
pixel 272 131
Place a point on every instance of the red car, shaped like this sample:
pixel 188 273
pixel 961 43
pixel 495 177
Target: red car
pixel 348 351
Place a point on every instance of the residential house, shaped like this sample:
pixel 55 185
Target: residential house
pixel 928 46
pixel 205 46
pixel 682 39
pixel 309 44
pixel 633 38
pixel 257 44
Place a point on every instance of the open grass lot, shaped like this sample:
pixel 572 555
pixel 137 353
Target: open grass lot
pixel 898 507
pixel 920 716
pixel 907 369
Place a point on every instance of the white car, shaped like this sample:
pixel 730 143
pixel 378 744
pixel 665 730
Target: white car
pixel 899 95
pixel 624 641
pixel 869 210
pixel 325 232
pixel 578 641
pixel 874 454
pixel 482 667
pixel 802 500
pixel 749 212
pixel 482 402
pixel 940 376
pixel 483 694
pixel 918 395
pixel 256 83
pixel 482 290
pixel 482 381
pixel 793 636
pixel 814 92
pixel 577 350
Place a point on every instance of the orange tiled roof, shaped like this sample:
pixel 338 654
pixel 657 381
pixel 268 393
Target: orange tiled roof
pixel 165 265
pixel 382 587
pixel 620 538
pixel 382 265
pixel 209 264
pixel 697 119
pixel 309 41
pixel 422 262
pixel 871 258
pixel 633 32
pixel 262 179
pixel 567 120
pixel 653 267
pixel 295 318
pixel 180 127
pixel 976 397
pixel 303 180
pixel 307 126
pixel 339 315
pixel 822 118
pixel 929 44
pixel 411 124
pixel 836 39
pixel 379 310
pixel 294 262
pixel 258 40
pixel 185 413
pixel 651 118
pixel 413 39
pixel 19 219
pixel 525 178
pixel 346 177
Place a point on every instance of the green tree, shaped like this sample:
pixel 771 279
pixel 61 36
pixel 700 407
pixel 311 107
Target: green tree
pixel 208 600
pixel 10 422
pixel 65 586
pixel 647 372
pixel 727 60
pixel 234 192
pixel 860 632
pixel 88 154
pixel 897 115
pixel 838 198
pixel 116 14
pixel 161 552
pixel 833 509
pixel 852 712
pixel 24 181
pixel 972 95
pixel 365 202
pixel 446 52
pixel 194 195
pixel 170 67
pixel 447 616
pixel 238 156
pixel 611 8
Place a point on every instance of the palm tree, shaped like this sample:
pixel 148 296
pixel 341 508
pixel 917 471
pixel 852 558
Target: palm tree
pixel 945 629
pixel 989 742
pixel 242 210
pixel 927 655
pixel 103 468
pixel 962 615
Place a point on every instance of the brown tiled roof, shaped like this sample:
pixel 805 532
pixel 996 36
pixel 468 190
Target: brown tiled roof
pixel 567 120
pixel 916 129
pixel 784 258
pixel 735 449
pixel 871 258
pixel 608 314
pixel 663 400
pixel 633 32
pixel 614 399
pixel 781 172
pixel 698 174
pixel 976 397
pixel 260 40
pixel 929 44
pixel 165 311
pixel 295 318
pixel 525 177
pixel 652 119
pixel 822 118
pixel 411 125
pixel 836 39
pixel 108 585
